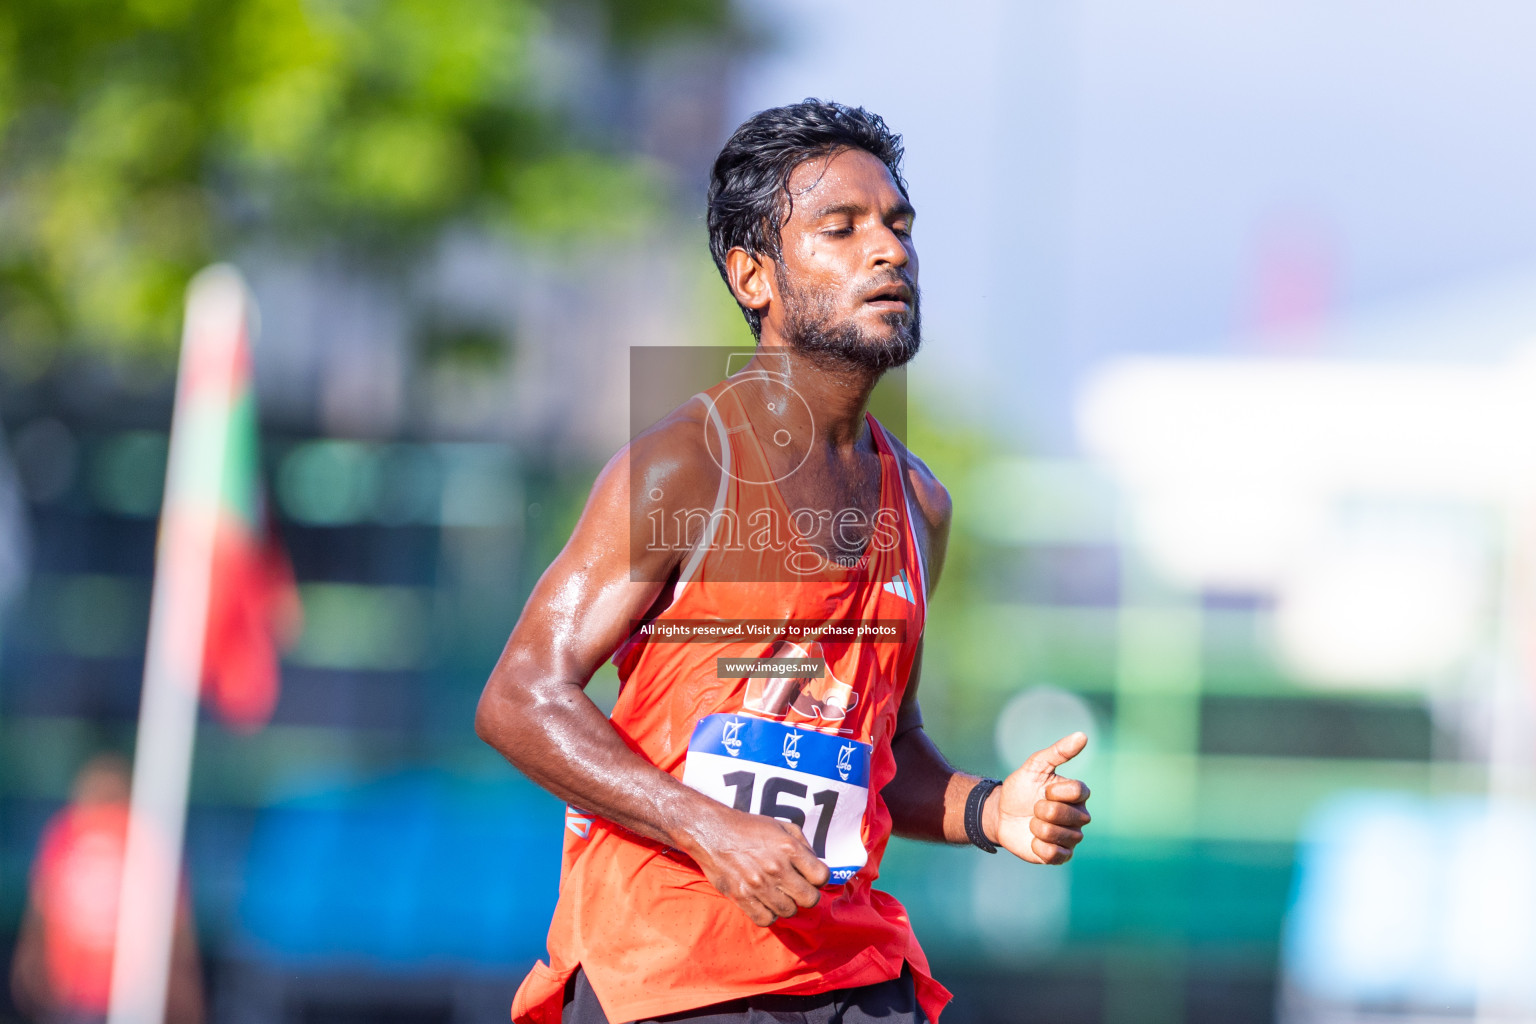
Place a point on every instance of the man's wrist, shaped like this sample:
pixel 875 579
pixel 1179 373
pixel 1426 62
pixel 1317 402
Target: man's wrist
pixel 694 824
pixel 992 815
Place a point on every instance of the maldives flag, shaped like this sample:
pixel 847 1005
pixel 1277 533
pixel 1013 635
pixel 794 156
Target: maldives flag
pixel 252 604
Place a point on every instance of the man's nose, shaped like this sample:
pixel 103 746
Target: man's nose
pixel 888 249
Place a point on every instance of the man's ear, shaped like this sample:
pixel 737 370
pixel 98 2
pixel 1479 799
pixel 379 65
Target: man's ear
pixel 750 277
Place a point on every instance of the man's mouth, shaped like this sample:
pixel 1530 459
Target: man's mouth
pixel 890 298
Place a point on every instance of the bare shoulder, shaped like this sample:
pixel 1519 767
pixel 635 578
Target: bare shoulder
pixel 668 465
pixel 929 494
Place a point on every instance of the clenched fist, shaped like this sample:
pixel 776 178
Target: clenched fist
pixel 762 864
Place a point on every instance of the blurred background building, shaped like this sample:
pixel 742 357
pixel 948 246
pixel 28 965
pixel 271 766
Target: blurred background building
pixel 1228 310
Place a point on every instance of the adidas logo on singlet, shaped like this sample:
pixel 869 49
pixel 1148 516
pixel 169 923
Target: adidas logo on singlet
pixel 578 821
pixel 901 588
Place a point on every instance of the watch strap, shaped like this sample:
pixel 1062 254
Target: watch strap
pixel 973 805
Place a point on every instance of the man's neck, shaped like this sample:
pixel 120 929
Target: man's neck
pixel 836 391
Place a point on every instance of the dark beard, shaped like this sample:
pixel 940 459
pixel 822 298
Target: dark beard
pixel 809 327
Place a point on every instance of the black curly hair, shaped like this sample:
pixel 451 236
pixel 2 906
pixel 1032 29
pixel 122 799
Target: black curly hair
pixel 749 198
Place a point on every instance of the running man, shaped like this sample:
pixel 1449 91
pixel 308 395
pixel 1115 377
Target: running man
pixel 726 823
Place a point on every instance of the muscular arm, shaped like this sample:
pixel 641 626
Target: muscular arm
pixel 535 711
pixel 1036 814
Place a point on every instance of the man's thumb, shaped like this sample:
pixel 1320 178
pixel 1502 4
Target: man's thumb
pixel 1060 752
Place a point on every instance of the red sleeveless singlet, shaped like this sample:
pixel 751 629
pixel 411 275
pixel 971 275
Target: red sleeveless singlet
pixel 652 934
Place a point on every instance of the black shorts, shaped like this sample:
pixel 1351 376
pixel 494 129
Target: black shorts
pixel 889 1002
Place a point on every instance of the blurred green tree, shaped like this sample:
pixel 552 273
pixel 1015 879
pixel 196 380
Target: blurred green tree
pixel 140 139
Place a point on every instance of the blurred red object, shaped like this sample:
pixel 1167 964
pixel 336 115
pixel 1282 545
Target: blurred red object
pixel 253 610
pixel 75 885
pixel 64 954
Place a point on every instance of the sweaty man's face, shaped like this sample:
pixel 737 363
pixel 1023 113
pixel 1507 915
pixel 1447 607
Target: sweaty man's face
pixel 847 285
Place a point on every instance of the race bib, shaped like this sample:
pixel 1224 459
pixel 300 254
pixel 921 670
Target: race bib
pixel 819 782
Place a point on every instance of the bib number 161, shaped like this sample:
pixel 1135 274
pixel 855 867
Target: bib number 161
pixel 818 782
pixel 771 803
